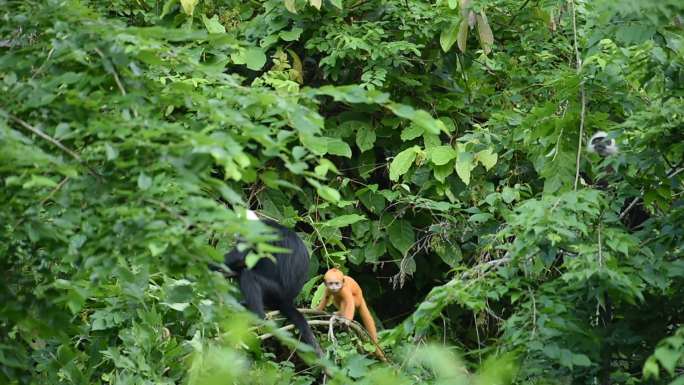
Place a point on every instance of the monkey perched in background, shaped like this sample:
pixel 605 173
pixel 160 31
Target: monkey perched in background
pixel 633 212
pixel 347 296
pixel 601 144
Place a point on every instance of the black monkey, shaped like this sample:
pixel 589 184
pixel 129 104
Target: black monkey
pixel 275 285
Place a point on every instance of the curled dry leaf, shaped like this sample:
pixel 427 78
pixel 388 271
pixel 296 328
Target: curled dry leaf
pixel 485 32
pixel 462 35
pixel 297 67
pixel 464 5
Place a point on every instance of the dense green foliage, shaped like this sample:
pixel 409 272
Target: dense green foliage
pixel 430 149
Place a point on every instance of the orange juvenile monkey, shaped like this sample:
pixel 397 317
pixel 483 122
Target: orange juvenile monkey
pixel 348 297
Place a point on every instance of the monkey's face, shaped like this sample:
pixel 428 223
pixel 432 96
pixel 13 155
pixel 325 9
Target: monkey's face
pixel 333 285
pixel 334 280
pixel 601 144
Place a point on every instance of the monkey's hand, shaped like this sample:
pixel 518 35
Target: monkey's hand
pixel 339 318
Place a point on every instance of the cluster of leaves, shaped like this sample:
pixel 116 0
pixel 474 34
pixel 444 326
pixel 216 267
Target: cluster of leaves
pixel 132 134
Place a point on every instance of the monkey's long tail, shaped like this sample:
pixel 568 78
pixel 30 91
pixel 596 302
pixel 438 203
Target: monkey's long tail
pixel 369 324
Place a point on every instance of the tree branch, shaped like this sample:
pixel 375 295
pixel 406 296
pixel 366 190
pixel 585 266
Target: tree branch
pixel 583 100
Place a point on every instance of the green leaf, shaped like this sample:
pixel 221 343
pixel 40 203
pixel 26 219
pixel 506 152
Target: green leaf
pixel 318 295
pixel 581 360
pixel 401 235
pixel 668 358
pixel 291 35
pixel 365 137
pixel 315 144
pixel 651 369
pixel 329 194
pixel 290 6
pixel 412 131
pixel 180 306
pixel 464 165
pixel 449 35
pixel 509 194
pixel 255 58
pixel 144 181
pixel 189 6
pixel 487 157
pixel 402 162
pixel 374 250
pixel 441 155
pixel 419 117
pixel 39 181
pixel 316 4
pixel 336 3
pixel 112 153
pixel 213 25
pixel 442 172
pixel 344 220
pixel 338 147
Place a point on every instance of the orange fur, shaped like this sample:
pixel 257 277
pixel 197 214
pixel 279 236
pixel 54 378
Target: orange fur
pixel 347 299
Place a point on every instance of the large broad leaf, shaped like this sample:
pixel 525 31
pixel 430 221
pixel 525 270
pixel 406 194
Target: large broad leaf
pixel 338 147
pixel 464 164
pixel 401 235
pixel 291 35
pixel 402 162
pixel 449 35
pixel 255 58
pixel 365 137
pixel 487 158
pixel 213 25
pixel 441 155
pixel 411 132
pixel 315 144
pixel 316 4
pixel 419 117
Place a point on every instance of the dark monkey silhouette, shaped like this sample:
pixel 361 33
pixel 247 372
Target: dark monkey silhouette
pixel 275 285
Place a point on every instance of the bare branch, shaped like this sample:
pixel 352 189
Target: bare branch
pixel 583 99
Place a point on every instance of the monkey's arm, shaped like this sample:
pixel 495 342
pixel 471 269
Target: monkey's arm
pixel 324 302
pixel 348 303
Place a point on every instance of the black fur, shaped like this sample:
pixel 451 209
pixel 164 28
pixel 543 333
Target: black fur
pixel 275 285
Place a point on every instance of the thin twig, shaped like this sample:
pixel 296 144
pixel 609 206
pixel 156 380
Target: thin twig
pixel 583 100
pixel 636 200
pixel 52 140
pixel 600 248
pixel 54 191
pixel 320 237
pixel 117 80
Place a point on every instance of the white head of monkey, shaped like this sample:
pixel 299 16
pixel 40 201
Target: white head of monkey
pixel 334 280
pixel 601 144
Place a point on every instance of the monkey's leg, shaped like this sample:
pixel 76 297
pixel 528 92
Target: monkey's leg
pixel 292 314
pixel 253 293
